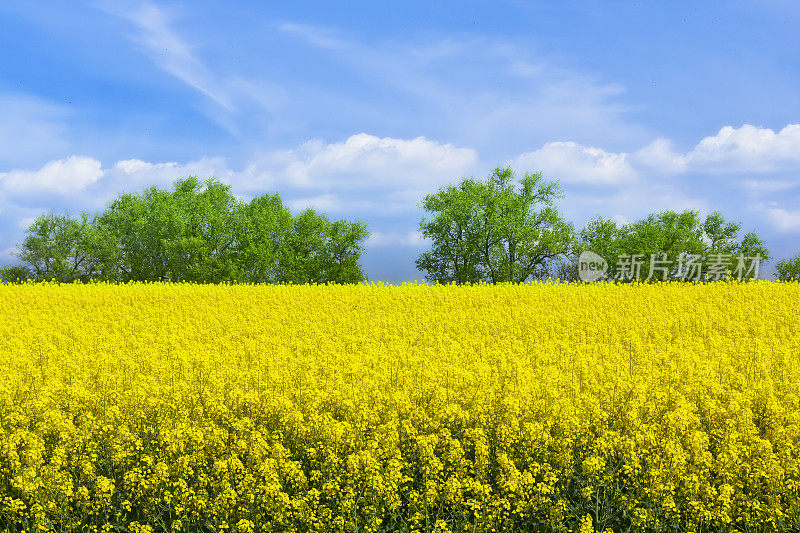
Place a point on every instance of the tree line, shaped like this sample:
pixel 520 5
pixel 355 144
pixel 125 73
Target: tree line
pixel 504 229
pixel 498 229
pixel 197 232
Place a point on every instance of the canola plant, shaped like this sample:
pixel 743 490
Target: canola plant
pixel 543 407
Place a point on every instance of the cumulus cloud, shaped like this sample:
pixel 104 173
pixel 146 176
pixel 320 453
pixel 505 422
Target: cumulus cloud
pixel 370 176
pixel 131 166
pixel 362 173
pixel 63 176
pixel 142 172
pixel 770 161
pixel 370 162
pixel 573 163
pixel 783 220
pixel 747 149
pixel 660 156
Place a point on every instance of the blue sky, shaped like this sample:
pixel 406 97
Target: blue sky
pixel 359 109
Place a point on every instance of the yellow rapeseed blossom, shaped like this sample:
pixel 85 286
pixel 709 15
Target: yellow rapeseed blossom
pixel 546 407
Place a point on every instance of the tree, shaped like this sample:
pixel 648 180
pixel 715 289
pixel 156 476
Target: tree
pixel 455 232
pixel 139 225
pixel 665 243
pixel 261 235
pixel 15 274
pixel 320 250
pixel 788 269
pixel 61 248
pixel 494 230
pixel 186 234
pixel 342 251
pixel 197 232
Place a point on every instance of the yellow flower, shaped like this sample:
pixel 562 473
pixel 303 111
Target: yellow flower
pixel 372 407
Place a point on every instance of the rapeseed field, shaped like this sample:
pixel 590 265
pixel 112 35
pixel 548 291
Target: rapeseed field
pixel 543 407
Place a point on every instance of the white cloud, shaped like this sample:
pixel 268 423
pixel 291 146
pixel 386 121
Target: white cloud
pixel 620 220
pixel 8 254
pixel 25 222
pixel 660 156
pixel 323 202
pixel 732 150
pixel 170 52
pixel 573 163
pixel 234 97
pixel 165 173
pixel 367 162
pixel 783 220
pixel 765 186
pixel 361 174
pixel 131 166
pixel 333 203
pixel 63 176
pixel 366 175
pixel 631 202
pixel 759 152
pixel 748 149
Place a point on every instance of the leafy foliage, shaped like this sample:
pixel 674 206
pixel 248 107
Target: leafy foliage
pixel 666 241
pixel 16 274
pixel 493 230
pixel 197 232
pixel 61 248
pixel 788 269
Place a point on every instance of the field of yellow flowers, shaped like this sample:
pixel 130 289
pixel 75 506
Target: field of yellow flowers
pixel 543 407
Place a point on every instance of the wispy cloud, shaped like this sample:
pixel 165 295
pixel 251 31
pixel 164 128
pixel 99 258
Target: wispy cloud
pixel 234 97
pixel 319 37
pixel 477 89
pixel 154 25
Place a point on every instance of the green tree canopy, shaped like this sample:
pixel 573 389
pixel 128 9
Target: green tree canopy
pixel 187 234
pixel 667 244
pixel 321 250
pixel 62 248
pixel 197 232
pixel 496 230
pixel 788 269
